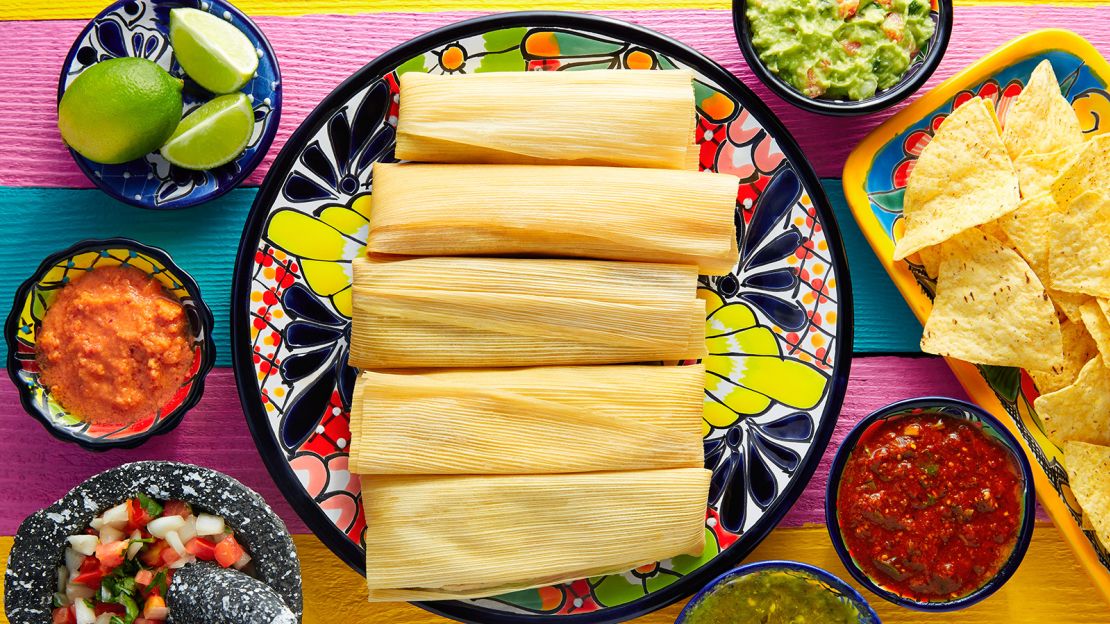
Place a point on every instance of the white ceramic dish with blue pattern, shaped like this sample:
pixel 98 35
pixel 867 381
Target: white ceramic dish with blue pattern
pixel 140 28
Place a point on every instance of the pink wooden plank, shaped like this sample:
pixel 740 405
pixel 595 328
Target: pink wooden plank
pixel 36 469
pixel 317 52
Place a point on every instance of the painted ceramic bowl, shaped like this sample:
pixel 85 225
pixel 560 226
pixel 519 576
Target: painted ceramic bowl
pixel 40 543
pixel 922 66
pixel 985 423
pixel 829 582
pixel 140 28
pixel 875 178
pixel 33 299
pixel 291 304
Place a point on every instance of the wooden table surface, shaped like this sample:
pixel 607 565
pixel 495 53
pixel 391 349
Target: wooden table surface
pixel 46 204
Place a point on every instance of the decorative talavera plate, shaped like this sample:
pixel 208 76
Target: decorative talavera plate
pixel 34 298
pixel 764 432
pixel 140 28
pixel 875 181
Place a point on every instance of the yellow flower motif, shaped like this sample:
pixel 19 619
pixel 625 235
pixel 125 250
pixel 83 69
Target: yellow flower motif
pixel 745 370
pixel 1091 108
pixel 325 245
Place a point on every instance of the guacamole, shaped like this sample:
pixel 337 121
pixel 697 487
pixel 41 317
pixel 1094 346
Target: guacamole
pixel 839 48
pixel 772 597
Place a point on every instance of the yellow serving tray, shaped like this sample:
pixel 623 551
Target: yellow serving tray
pixel 874 182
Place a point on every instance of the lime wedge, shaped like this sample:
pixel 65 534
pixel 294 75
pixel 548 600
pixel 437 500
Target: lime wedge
pixel 213 52
pixel 212 135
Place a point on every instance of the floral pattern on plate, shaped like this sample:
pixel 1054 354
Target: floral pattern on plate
pixel 775 336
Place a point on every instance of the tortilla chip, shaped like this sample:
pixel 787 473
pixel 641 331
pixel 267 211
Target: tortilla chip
pixel 1067 304
pixel 1028 227
pixel 1035 172
pixel 1079 348
pixel 1080 412
pixel 930 259
pixel 1040 120
pixel 1088 467
pixel 990 308
pixel 1097 326
pixel 1089 170
pixel 962 179
pixel 1079 246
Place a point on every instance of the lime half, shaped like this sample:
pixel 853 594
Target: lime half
pixel 119 109
pixel 213 52
pixel 212 135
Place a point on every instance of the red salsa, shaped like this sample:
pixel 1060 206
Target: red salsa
pixel 929 506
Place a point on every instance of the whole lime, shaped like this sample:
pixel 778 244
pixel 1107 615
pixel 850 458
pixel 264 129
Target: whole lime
pixel 120 109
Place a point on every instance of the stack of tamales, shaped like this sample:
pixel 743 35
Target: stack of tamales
pixel 504 427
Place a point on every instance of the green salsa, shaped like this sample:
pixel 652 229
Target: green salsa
pixel 839 48
pixel 772 597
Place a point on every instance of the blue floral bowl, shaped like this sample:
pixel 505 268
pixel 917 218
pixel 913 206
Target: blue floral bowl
pixel 990 426
pixel 140 28
pixel 831 583
pixel 35 296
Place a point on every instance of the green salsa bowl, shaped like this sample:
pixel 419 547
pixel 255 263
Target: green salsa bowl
pixel 856 56
pixel 812 592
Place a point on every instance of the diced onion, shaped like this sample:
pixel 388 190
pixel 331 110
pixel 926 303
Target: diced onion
pixel 174 540
pixel 84 544
pixel 208 524
pixel 135 546
pixel 104 618
pixel 241 562
pixel 75 592
pixel 110 534
pixel 85 614
pixel 116 516
pixel 180 563
pixel 63 578
pixel 159 527
pixel 74 560
pixel 189 531
pixel 97 524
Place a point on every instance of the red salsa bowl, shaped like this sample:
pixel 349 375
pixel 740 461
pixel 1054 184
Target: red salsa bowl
pixel 930 504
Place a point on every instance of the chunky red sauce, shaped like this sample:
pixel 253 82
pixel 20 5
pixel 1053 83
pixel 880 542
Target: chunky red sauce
pixel 929 506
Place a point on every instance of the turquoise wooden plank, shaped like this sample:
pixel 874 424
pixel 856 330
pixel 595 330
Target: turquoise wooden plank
pixel 203 241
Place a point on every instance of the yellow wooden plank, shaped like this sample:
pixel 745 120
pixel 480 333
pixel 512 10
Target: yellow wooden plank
pixel 1049 587
pixel 84 9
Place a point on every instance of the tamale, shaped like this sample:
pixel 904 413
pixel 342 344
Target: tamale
pixel 496 312
pixel 446 537
pixel 606 117
pixel 528 420
pixel 610 213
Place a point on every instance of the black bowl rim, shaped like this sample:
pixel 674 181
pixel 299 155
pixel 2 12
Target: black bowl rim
pixel 783 564
pixel 207 348
pixel 1025 531
pixel 264 143
pixel 257 419
pixel 844 108
pixel 255 520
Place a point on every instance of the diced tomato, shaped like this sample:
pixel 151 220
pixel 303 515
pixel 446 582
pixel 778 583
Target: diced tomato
pixel 176 508
pixel 111 554
pixel 91 578
pixel 137 517
pixel 141 621
pixel 65 615
pixel 109 607
pixel 169 555
pixel 155 608
pixel 228 551
pixel 143 578
pixel 851 47
pixel 151 555
pixel 894 27
pixel 847 8
pixel 90 563
pixel 201 548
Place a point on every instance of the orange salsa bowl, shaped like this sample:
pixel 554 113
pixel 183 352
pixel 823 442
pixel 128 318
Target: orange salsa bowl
pixel 27 342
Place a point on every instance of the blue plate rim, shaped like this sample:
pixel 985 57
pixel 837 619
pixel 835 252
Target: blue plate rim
pixel 245 169
pixel 257 419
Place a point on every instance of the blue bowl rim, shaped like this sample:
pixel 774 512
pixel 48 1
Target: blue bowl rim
pixel 245 169
pixel 207 349
pixel 844 108
pixel 778 564
pixel 1025 531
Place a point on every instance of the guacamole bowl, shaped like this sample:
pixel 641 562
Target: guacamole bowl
pixel 930 504
pixel 766 586
pixel 856 67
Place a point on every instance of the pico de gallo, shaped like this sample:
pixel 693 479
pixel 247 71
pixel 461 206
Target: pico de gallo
pixel 118 570
pixel 929 506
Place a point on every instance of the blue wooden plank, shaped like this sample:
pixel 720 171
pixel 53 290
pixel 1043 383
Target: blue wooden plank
pixel 203 241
